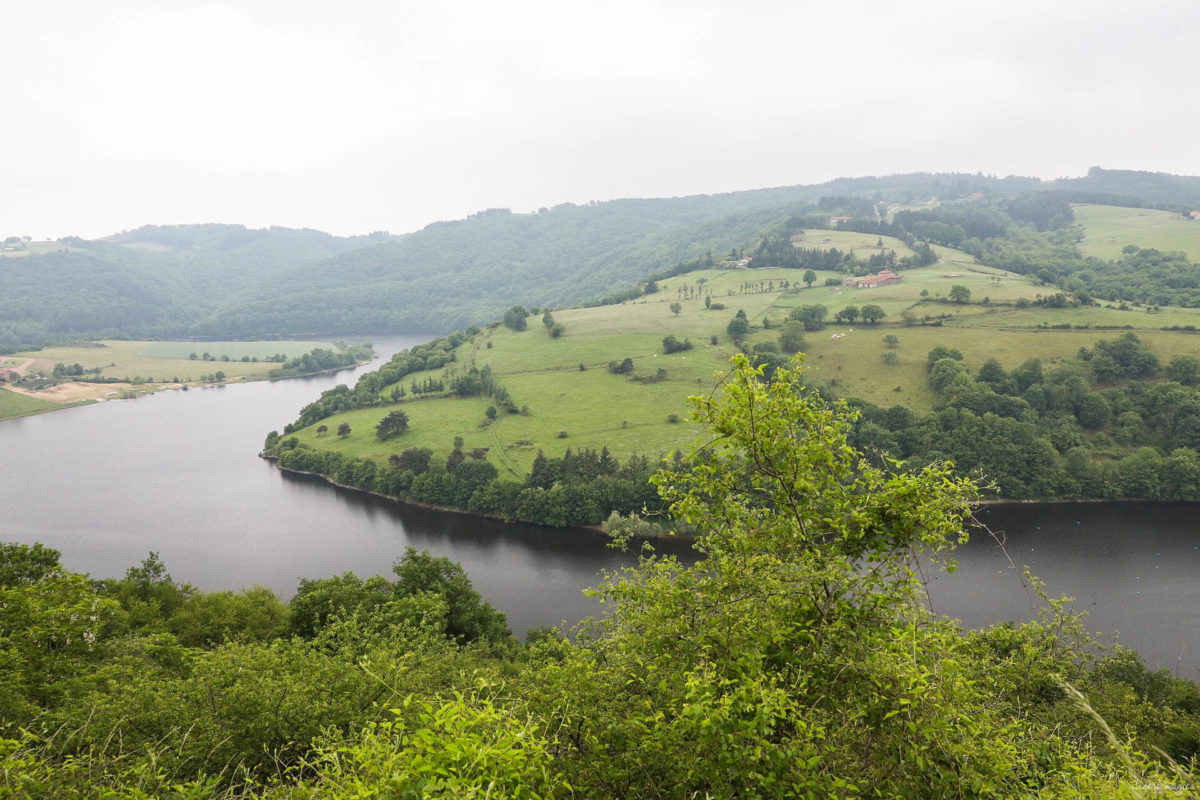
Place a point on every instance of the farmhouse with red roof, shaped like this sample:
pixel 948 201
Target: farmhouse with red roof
pixel 883 278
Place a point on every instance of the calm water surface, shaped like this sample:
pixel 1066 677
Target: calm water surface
pixel 1133 567
pixel 178 473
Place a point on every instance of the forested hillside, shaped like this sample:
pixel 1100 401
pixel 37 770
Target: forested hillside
pixel 156 281
pixel 455 273
pixel 1118 186
pixel 228 281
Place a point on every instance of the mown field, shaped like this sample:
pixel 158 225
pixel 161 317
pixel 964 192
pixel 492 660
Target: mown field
pixel 864 245
pixel 1109 228
pixel 574 401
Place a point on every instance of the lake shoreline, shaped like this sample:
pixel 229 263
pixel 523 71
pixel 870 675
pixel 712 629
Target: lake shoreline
pixel 86 393
pixel 592 529
pixel 178 477
pixel 599 529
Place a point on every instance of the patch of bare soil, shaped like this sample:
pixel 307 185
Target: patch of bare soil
pixel 75 392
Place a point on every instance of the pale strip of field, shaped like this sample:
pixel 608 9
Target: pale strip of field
pixel 76 392
pixel 138 368
pixel 164 362
pixel 234 350
pixel 34 248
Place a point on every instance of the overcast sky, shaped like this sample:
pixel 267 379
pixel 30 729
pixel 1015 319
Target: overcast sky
pixel 357 116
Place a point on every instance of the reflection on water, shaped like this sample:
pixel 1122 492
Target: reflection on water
pixel 534 574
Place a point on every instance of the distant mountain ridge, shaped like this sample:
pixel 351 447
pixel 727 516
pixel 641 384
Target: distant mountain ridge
pixel 230 281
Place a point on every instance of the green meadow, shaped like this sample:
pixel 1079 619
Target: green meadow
pixel 165 361
pixel 864 245
pixel 149 366
pixel 1107 229
pixel 19 405
pixel 235 350
pixel 574 401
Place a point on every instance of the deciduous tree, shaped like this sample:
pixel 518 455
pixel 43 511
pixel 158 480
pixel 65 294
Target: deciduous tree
pixel 872 313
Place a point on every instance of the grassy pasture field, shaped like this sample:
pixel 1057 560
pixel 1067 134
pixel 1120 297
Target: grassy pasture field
pixel 155 365
pixel 1109 228
pixel 235 350
pixel 164 361
pixel 595 408
pixel 864 245
pixel 125 359
pixel 20 405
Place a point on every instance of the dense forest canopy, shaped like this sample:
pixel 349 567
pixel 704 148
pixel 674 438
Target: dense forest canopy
pixel 1112 422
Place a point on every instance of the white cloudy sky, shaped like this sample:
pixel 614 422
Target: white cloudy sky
pixel 367 115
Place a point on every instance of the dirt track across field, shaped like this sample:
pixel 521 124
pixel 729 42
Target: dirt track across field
pixel 22 367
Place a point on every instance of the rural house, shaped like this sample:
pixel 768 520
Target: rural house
pixel 883 278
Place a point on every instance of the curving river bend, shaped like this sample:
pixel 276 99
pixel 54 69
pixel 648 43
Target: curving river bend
pixel 178 473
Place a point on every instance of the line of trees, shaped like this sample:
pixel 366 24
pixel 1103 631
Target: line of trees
pixel 320 359
pixel 1112 422
pixel 581 488
pixel 372 388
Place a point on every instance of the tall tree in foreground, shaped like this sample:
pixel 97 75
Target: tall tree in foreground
pixel 796 658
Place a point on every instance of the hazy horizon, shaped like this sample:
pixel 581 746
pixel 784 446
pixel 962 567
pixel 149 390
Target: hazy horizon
pixel 388 116
pixel 532 210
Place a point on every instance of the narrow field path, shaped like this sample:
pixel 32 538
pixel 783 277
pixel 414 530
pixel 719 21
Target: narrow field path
pixel 21 368
pixel 501 453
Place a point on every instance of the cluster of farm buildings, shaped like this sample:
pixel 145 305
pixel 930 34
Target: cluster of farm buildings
pixel 884 277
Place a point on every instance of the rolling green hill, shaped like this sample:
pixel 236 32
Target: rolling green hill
pixel 226 281
pixel 562 393
pixel 451 274
pixel 1108 229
